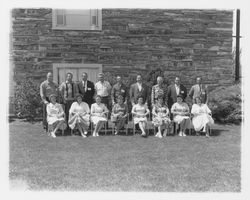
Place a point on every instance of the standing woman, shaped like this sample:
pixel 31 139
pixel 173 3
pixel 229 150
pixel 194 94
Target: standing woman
pixel 180 111
pixel 140 112
pixel 119 114
pixel 201 116
pixel 55 116
pixel 161 118
pixel 157 90
pixel 79 115
pixel 98 115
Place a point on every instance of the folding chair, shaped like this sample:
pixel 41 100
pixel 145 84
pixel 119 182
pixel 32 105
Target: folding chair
pixel 176 126
pixel 135 124
pixel 92 125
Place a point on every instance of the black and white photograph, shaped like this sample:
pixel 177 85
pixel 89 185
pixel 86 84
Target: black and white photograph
pixel 126 99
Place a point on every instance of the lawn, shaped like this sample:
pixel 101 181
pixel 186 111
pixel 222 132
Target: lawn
pixel 125 163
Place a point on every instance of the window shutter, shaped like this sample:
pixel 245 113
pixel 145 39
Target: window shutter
pixel 60 18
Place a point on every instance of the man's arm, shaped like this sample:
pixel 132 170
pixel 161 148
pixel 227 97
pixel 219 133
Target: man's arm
pixel 42 94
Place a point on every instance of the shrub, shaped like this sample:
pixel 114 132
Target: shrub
pixel 225 104
pixel 27 100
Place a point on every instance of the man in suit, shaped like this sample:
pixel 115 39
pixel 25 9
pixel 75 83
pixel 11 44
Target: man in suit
pixel 138 89
pixel 199 90
pixel 87 89
pixel 174 90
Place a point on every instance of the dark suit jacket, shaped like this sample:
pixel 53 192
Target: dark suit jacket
pixel 171 96
pixel 88 96
pixel 134 93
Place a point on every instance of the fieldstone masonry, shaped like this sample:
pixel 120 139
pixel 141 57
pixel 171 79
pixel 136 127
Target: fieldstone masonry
pixel 187 43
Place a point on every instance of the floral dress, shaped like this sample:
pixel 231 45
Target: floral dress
pixel 162 117
pixel 118 111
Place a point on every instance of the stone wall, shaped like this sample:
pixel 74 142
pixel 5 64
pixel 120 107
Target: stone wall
pixel 187 43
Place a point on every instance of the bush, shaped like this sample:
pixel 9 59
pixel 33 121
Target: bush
pixel 225 104
pixel 27 100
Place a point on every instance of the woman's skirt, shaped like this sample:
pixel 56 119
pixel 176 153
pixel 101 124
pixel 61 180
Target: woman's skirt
pixel 179 118
pixel 96 119
pixel 140 119
pixel 82 120
pixel 53 121
pixel 161 121
pixel 200 121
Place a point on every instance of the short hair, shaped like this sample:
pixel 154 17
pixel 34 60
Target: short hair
pixel 179 95
pixel 120 97
pixel 69 73
pixel 79 95
pixel 85 73
pixel 198 97
pixel 140 96
pixel 98 96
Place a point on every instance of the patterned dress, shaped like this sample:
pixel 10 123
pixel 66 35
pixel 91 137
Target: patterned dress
pixel 201 116
pixel 118 111
pixel 162 117
pixel 156 92
pixel 79 114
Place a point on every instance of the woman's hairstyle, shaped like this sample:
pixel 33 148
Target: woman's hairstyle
pixel 139 97
pixel 195 100
pixel 98 96
pixel 79 95
pixel 120 97
pixel 179 95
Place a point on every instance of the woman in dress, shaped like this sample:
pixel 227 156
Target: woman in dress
pixel 201 116
pixel 119 114
pixel 181 115
pixel 55 116
pixel 98 115
pixel 161 118
pixel 79 115
pixel 140 112
pixel 157 90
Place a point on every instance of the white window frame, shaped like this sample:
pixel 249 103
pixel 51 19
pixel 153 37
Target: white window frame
pixel 93 24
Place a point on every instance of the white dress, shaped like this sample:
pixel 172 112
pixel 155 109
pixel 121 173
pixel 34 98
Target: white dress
pixel 79 113
pixel 97 110
pixel 201 116
pixel 53 111
pixel 139 109
pixel 181 108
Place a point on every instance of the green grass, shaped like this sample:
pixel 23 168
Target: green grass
pixel 125 163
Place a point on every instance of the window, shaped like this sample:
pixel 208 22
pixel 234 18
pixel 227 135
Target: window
pixel 90 19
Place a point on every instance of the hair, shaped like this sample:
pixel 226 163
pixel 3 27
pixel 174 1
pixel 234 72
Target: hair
pixel 140 96
pixel 85 73
pixel 179 95
pixel 98 96
pixel 160 97
pixel 199 97
pixel 79 95
pixel 69 73
pixel 120 97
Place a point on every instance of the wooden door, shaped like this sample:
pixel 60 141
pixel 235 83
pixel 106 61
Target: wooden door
pixel 60 71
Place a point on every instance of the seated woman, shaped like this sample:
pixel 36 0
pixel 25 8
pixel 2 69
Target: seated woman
pixel 181 115
pixel 79 115
pixel 201 116
pixel 55 116
pixel 119 114
pixel 98 115
pixel 140 111
pixel 161 118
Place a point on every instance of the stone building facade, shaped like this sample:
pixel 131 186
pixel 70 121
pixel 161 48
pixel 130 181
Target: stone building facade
pixel 187 43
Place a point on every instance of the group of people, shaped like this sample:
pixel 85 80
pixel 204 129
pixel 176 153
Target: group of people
pixel 85 102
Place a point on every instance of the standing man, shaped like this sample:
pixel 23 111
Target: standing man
pixel 119 89
pixel 138 89
pixel 68 91
pixel 199 90
pixel 47 88
pixel 87 89
pixel 103 89
pixel 174 90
